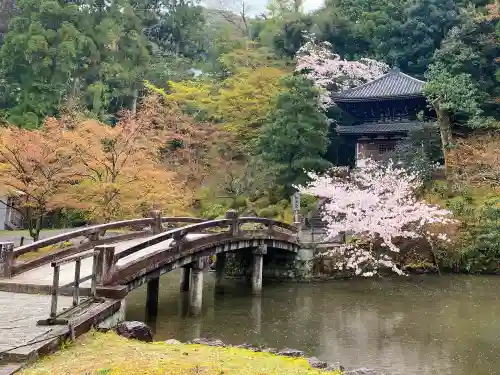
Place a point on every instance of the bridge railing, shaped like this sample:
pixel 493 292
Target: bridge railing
pixel 56 316
pixel 230 226
pixel 93 236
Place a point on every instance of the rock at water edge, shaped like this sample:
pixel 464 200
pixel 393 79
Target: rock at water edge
pixel 135 330
pixel 316 363
pixel 291 352
pixel 209 342
pixel 172 342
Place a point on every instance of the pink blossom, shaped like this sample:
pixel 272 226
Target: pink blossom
pixel 332 74
pixel 374 202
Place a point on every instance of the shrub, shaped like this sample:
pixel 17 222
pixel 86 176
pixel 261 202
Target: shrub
pixel 481 250
pixel 269 212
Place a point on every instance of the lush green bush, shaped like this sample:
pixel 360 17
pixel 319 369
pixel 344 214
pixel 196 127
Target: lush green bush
pixel 476 247
pixel 269 212
pixel 481 250
pixel 421 152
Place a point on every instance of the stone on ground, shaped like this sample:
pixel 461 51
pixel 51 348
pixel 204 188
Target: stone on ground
pixel 291 352
pixel 135 330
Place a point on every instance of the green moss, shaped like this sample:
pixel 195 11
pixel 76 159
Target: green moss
pixel 44 251
pixel 99 353
pixel 419 265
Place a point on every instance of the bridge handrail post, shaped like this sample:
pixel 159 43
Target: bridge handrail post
pixel 6 258
pixel 93 282
pixel 156 226
pixel 235 225
pixel 76 285
pixel 270 228
pixel 104 263
pixel 94 237
pixel 54 292
pixel 178 239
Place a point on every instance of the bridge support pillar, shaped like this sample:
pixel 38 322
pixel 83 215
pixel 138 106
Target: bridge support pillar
pixel 185 278
pixel 258 262
pixel 153 290
pixel 196 299
pixel 220 264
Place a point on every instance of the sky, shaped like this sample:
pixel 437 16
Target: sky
pixel 258 6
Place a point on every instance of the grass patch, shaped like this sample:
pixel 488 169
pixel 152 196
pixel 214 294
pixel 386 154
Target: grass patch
pixel 107 353
pixel 25 232
pixel 43 251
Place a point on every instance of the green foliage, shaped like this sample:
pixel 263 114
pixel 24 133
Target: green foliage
pixel 456 94
pixel 295 135
pixel 269 212
pixel 471 48
pixel 213 211
pixel 57 53
pixel 177 28
pixel 420 152
pixel 425 25
pixel 481 252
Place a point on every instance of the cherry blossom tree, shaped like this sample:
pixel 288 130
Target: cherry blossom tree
pixel 377 204
pixel 330 73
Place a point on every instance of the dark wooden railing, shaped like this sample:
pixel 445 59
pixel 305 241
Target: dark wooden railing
pixel 105 269
pixel 232 225
pixel 93 237
pixel 55 315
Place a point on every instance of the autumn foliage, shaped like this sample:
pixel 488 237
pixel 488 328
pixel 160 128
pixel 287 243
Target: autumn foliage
pixel 155 159
pixel 122 174
pixel 37 167
pixel 475 161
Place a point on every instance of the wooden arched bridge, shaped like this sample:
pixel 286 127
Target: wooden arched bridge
pixel 92 263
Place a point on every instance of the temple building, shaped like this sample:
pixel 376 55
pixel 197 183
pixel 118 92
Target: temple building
pixel 381 113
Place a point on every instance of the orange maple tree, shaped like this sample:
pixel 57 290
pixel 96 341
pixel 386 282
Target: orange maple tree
pixel 123 175
pixel 36 167
pixel 158 158
pixel 194 150
pixel 476 161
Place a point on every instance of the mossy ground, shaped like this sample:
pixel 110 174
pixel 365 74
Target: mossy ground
pixel 109 354
pixel 43 251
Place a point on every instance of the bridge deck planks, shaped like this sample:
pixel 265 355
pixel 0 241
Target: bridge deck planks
pixel 19 314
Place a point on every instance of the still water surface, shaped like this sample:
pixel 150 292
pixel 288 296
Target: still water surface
pixel 436 325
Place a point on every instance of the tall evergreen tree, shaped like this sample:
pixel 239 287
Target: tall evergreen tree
pixel 295 135
pixel 41 52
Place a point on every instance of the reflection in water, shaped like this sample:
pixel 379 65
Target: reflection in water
pixel 445 326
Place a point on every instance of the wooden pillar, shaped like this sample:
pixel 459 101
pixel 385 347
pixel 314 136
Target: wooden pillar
pixel 185 278
pixel 156 226
pixel 234 226
pixel 258 262
pixel 257 314
pixel 195 302
pixel 153 290
pixel 105 263
pixel 220 264
pixel 6 258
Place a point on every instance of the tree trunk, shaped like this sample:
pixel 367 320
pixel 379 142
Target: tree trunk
pixel 36 229
pixel 134 101
pixel 444 122
pixel 74 92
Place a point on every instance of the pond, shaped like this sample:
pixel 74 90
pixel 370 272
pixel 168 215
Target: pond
pixel 432 325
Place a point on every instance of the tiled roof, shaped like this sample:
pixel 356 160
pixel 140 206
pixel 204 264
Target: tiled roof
pixel 391 85
pixel 380 128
